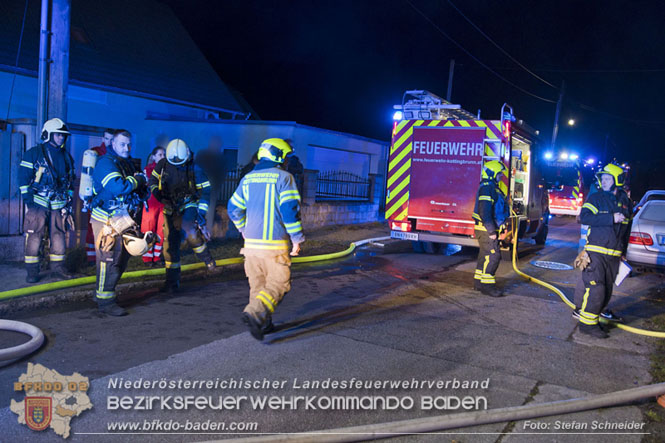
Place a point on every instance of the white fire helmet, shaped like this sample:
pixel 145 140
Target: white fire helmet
pixel 138 246
pixel 177 152
pixel 54 126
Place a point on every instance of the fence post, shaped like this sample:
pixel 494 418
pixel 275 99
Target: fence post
pixel 309 186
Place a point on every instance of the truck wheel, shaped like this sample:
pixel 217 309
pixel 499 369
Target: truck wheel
pixel 417 247
pixel 541 235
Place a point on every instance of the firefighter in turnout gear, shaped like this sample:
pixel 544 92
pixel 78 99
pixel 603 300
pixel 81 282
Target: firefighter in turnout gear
pixel 46 178
pixel 184 190
pixel 489 215
pixel 266 210
pixel 602 253
pixel 120 189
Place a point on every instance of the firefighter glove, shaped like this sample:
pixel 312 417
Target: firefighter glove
pixel 582 260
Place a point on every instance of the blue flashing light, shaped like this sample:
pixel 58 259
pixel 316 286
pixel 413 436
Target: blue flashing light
pixel 574 156
pixel 563 156
pixel 591 161
pixel 398 115
pixel 548 155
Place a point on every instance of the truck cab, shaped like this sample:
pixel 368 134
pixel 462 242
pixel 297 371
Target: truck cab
pixel 435 165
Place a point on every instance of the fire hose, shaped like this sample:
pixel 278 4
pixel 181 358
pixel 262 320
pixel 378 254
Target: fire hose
pixel 570 304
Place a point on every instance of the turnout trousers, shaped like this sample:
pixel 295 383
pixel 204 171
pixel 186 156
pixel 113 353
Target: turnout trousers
pixel 269 279
pixel 34 226
pixel 174 226
pixel 110 266
pixel 594 288
pixel 489 257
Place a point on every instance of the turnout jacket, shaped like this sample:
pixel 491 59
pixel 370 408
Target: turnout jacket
pixel 266 209
pixel 55 185
pixel 180 187
pixel 489 211
pixel 113 183
pixel 604 235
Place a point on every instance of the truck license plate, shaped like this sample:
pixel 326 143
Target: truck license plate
pixel 404 235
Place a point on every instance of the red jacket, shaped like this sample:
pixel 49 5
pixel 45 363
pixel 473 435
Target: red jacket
pixel 153 203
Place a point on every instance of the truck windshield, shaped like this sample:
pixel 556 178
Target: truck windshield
pixel 561 176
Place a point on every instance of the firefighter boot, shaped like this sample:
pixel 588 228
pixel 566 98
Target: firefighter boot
pixel 254 325
pixel 490 290
pixel 111 308
pixel 594 331
pixel 268 325
pixel 33 273
pixel 172 283
pixel 477 285
pixel 60 270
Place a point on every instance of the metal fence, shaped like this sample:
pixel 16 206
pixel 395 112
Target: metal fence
pixel 342 185
pixel 229 185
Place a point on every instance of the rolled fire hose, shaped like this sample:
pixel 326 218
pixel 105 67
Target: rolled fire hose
pixel 466 419
pixel 9 355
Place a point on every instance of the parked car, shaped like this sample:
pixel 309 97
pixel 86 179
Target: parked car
pixel 654 194
pixel 647 237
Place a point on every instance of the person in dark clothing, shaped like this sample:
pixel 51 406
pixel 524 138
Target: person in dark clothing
pixel 211 160
pixel 119 190
pixel 184 190
pixel 250 166
pixel 46 180
pixel 107 137
pixel 599 261
pixel 489 214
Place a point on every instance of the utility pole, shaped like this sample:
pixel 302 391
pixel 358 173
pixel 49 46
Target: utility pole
pixel 555 129
pixel 59 72
pixel 451 71
pixel 42 89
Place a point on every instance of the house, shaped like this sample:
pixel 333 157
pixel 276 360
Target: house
pixel 134 66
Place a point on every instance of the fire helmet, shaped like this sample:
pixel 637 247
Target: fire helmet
pixel 177 152
pixel 492 170
pixel 274 149
pixel 137 245
pixel 54 126
pixel 615 171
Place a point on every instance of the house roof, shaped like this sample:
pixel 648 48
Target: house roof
pixel 127 45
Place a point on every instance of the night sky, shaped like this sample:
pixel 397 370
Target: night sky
pixel 342 64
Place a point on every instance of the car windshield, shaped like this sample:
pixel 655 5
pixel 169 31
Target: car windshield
pixel 653 212
pixel 656 197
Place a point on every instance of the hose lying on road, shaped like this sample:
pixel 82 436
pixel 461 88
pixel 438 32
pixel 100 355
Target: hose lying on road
pixel 63 284
pixel 9 355
pixel 453 421
pixel 570 304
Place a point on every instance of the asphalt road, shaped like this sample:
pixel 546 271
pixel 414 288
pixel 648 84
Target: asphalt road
pixel 383 315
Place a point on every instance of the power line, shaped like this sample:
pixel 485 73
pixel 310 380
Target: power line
pixel 474 57
pixel 499 47
pixel 18 53
pixel 591 71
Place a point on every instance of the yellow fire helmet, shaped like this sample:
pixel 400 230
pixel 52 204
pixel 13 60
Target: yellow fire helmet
pixel 274 149
pixel 177 152
pixel 54 126
pixel 615 171
pixel 492 169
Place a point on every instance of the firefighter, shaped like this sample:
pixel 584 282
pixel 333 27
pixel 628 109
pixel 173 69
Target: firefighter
pixel 599 261
pixel 489 215
pixel 184 190
pixel 266 210
pixel 120 190
pixel 46 180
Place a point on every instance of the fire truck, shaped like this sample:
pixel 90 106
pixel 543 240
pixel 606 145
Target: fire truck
pixel 434 171
pixel 566 184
